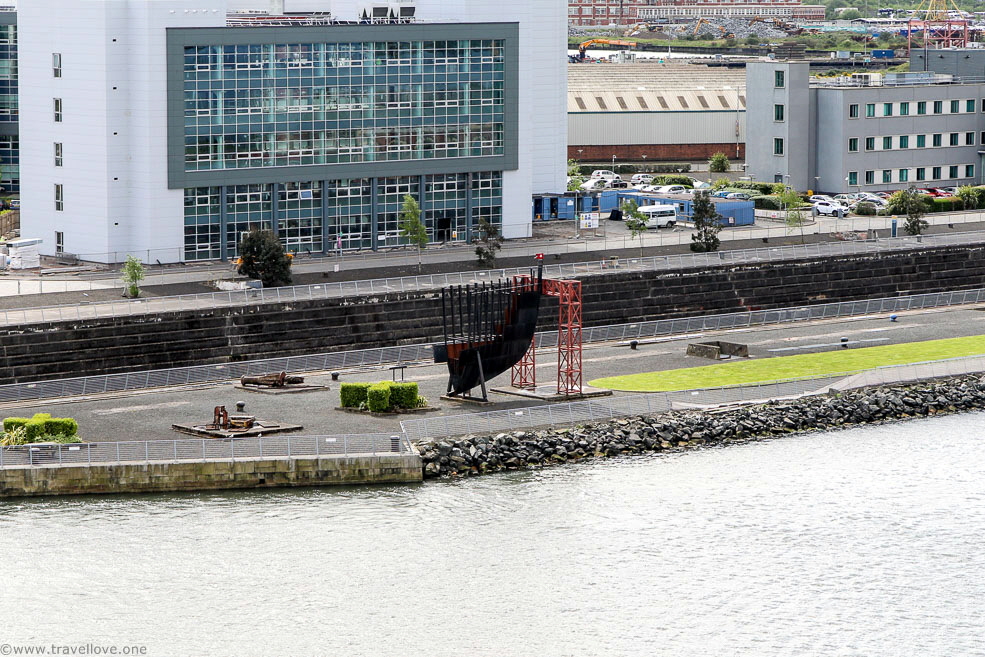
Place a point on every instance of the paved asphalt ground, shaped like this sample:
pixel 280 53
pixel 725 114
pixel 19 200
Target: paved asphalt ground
pixel 149 416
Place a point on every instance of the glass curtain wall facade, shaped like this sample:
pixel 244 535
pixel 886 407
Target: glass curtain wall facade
pixel 9 145
pixel 308 104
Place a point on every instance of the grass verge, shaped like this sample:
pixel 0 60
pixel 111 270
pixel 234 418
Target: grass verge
pixel 792 367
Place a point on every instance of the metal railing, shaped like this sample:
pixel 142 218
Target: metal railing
pixel 341 289
pixel 604 408
pixel 378 357
pixel 204 449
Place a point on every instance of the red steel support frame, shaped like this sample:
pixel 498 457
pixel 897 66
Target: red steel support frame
pixel 569 339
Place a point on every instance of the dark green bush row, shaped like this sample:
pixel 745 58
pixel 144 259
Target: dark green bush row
pixel 766 202
pixel 586 169
pixel 947 204
pixel 42 424
pixel 763 188
pixel 674 180
pixel 379 397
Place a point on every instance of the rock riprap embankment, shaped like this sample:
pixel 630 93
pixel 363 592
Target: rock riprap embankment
pixel 677 430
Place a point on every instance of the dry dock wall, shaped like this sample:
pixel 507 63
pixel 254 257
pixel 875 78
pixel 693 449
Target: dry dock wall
pixel 157 477
pixel 125 344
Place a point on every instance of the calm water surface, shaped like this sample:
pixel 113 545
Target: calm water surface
pixel 866 542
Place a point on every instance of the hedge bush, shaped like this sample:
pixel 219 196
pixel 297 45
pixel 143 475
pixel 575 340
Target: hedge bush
pixel 674 180
pixel 866 209
pixel 353 395
pixel 763 188
pixel 587 169
pixel 378 397
pixel 947 204
pixel 766 202
pixel 403 395
pixel 42 424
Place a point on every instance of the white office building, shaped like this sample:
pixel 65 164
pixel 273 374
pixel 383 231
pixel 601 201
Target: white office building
pixel 166 129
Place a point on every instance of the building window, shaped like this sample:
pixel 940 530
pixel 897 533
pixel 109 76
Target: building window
pixel 938 140
pixel 969 171
pixel 921 173
pixel 58 110
pixel 983 104
pixel 777 146
pixel 56 64
pixel 935 173
pixel 938 107
pixel 870 110
pixel 922 140
pixel 922 107
pixel 983 139
pixel 904 109
pixel 59 242
pixel 969 105
pixel 870 177
pixel 887 109
pixel 887 175
pixel 853 145
pixel 969 139
pixel 887 143
pixel 953 139
pixel 955 106
pixel 853 110
pixel 58 154
pixel 778 112
pixel 904 175
pixel 778 79
pixel 952 171
pixel 852 178
pixel 870 143
pixel 59 198
pixel 904 141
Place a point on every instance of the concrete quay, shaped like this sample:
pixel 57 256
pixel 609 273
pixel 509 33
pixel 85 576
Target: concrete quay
pixel 240 473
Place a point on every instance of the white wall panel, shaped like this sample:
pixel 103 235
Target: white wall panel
pixel 618 128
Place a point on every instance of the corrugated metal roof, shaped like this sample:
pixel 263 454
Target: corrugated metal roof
pixel 670 99
pixel 654 87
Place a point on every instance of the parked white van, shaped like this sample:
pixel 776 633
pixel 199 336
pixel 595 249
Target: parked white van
pixel 659 216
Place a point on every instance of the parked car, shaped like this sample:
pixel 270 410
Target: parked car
pixel 618 184
pixel 927 191
pixel 671 189
pixel 721 193
pixel 953 191
pixel 595 184
pixel 941 192
pixel 820 197
pixel 829 208
pixel 739 196
pixel 604 173
pixel 15 204
pixel 641 179
pixel 847 199
pixel 884 195
pixel 870 197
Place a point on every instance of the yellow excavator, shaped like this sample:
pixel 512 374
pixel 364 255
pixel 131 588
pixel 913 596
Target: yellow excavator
pixel 585 45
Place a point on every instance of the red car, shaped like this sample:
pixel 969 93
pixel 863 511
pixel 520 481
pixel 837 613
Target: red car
pixel 927 192
pixel 940 193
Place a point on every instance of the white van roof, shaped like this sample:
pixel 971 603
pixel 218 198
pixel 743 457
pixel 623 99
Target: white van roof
pixel 653 208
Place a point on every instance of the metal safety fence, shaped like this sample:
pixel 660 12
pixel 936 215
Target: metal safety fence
pixel 341 289
pixel 379 357
pixel 605 408
pixel 204 449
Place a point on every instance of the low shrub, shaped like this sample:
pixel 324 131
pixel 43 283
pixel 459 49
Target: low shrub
pixel 947 204
pixel 378 397
pixel 766 202
pixel 36 428
pixel 403 395
pixel 866 209
pixel 353 395
pixel 761 187
pixel 11 423
pixel 674 180
pixel 58 438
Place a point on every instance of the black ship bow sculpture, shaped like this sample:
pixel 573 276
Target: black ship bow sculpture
pixel 488 328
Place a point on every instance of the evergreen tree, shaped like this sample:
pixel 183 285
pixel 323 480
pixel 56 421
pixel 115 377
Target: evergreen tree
pixel 719 163
pixel 707 223
pixel 262 256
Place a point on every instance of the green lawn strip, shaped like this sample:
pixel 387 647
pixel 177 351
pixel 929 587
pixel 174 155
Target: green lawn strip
pixel 793 367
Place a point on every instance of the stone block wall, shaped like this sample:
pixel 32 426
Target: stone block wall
pixel 209 475
pixel 124 344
